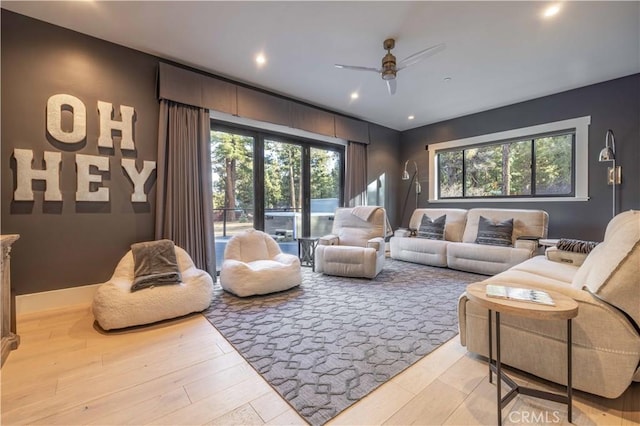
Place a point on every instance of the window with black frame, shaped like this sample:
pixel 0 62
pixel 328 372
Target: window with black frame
pixel 537 166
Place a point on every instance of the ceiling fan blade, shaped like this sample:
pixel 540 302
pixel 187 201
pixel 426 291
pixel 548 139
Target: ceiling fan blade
pixel 419 56
pixel 357 68
pixel 391 85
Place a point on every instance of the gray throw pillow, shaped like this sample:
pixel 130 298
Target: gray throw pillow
pixel 495 233
pixel 432 229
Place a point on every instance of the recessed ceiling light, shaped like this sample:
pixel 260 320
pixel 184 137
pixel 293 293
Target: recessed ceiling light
pixel 260 59
pixel 411 117
pixel 447 79
pixel 551 11
pixel 355 95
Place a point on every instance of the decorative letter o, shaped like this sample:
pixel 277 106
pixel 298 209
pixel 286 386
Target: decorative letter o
pixel 54 118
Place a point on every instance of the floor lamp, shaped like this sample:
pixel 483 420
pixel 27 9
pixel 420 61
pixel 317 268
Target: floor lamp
pixel 405 176
pixel 608 153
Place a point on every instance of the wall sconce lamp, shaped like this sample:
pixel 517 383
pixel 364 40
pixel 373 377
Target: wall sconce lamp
pixel 405 176
pixel 614 174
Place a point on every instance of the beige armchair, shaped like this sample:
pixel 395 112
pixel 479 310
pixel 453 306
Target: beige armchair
pixel 356 245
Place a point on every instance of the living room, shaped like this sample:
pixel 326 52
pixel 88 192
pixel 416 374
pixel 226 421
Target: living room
pixel 68 245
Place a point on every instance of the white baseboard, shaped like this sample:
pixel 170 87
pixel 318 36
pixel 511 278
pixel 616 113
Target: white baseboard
pixel 55 299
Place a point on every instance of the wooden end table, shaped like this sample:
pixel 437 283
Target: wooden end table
pixel 565 309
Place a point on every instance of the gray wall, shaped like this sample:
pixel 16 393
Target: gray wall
pixel 68 244
pixel 612 105
pixel 382 167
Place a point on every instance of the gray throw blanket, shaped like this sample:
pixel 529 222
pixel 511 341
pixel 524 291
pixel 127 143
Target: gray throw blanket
pixel 155 263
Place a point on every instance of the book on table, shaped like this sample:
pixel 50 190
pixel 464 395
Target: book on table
pixel 519 294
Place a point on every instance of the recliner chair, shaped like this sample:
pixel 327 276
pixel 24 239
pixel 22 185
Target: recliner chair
pixel 356 246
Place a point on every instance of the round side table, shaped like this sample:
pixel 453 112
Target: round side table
pixel 565 309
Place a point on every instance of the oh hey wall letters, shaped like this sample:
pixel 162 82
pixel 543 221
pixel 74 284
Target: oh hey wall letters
pixel 56 104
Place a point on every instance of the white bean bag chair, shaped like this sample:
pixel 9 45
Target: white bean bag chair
pixel 116 306
pixel 254 264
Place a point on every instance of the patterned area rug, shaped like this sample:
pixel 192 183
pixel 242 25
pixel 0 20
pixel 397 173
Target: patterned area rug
pixel 328 343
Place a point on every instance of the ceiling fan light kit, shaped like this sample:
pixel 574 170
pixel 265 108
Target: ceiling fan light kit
pixel 390 67
pixel 389 61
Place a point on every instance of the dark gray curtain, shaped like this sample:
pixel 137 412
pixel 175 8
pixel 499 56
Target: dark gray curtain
pixel 355 185
pixel 184 210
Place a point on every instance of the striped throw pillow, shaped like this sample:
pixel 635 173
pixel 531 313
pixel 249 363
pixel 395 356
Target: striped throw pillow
pixel 576 246
pixel 495 233
pixel 432 229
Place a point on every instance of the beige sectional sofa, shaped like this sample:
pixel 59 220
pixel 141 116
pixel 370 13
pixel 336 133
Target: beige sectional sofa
pixel 459 250
pixel 606 336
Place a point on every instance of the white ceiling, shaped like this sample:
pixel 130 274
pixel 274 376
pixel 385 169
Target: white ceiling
pixel 498 53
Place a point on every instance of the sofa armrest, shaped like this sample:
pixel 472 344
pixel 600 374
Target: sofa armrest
pixel 329 240
pixel 529 238
pixel 563 256
pixel 402 232
pixel 376 243
pixel 529 244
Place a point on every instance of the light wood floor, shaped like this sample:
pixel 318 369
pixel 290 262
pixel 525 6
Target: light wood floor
pixel 65 372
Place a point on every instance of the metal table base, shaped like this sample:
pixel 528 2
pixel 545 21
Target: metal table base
pixel 495 366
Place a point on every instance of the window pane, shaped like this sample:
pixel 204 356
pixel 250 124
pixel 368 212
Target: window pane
pixel 325 189
pixel 232 187
pixel 554 165
pixel 483 171
pixel 517 173
pixel 450 174
pixel 232 182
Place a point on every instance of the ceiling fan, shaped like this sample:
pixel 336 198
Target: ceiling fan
pixel 390 68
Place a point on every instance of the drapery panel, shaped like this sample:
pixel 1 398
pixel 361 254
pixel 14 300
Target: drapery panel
pixel 184 210
pixel 355 185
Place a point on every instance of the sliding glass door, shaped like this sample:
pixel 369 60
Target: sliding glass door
pixel 285 186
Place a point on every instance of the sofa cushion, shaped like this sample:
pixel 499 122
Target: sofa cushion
pixel 432 229
pixel 454 224
pixel 348 261
pixel 541 267
pixel 483 259
pixel 419 250
pixel 495 233
pixel 532 223
pixel 612 269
